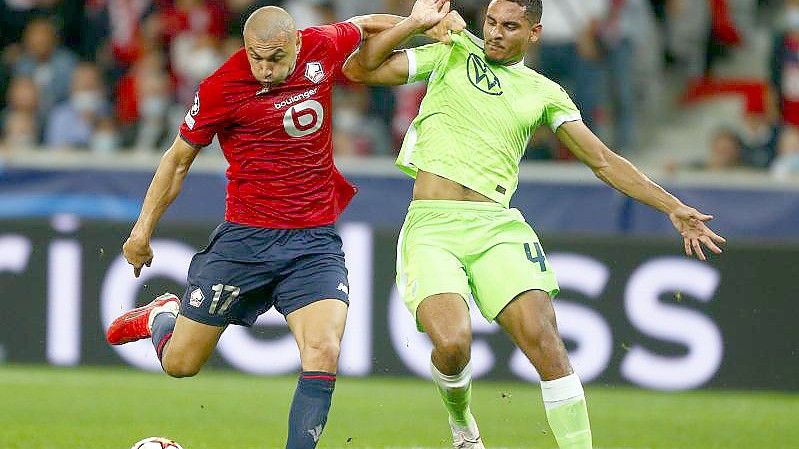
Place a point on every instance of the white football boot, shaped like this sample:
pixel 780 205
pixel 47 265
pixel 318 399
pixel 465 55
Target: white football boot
pixel 466 437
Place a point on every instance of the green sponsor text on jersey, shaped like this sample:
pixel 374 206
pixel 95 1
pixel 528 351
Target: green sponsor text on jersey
pixel 477 117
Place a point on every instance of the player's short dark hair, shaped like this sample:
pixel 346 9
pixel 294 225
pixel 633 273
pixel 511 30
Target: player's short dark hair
pixel 533 9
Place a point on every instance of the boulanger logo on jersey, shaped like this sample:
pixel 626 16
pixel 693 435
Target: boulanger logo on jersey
pixel 481 76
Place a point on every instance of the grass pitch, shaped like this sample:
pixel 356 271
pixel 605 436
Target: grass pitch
pixel 110 408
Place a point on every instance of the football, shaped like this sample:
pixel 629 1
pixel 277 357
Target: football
pixel 156 443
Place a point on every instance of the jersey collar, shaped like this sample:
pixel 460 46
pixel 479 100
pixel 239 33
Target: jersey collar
pixel 481 43
pixel 518 65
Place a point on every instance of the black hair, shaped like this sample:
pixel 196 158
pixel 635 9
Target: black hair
pixel 533 9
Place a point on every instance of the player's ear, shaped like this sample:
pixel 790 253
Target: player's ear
pixel 535 33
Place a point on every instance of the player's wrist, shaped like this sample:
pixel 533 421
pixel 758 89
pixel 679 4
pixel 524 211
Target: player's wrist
pixel 414 25
pixel 673 207
pixel 139 236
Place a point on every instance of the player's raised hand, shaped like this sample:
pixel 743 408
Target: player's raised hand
pixel 427 13
pixel 451 22
pixel 690 223
pixel 138 253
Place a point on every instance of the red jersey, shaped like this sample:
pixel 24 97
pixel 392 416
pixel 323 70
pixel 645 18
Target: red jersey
pixel 279 143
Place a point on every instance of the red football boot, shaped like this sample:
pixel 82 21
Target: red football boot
pixel 137 324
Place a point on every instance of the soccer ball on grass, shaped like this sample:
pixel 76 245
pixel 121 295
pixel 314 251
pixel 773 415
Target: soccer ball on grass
pixel 156 443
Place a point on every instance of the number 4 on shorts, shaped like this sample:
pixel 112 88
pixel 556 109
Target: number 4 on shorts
pixel 539 255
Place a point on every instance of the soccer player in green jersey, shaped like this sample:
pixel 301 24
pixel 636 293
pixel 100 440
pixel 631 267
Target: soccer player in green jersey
pixel 460 237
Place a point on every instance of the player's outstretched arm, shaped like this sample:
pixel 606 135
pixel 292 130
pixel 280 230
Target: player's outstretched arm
pixel 425 15
pixel 373 24
pixel 377 62
pixel 620 174
pixel 164 188
pixel 393 72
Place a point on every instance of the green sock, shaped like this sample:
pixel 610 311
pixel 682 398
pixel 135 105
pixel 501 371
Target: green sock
pixel 567 412
pixel 456 392
pixel 569 423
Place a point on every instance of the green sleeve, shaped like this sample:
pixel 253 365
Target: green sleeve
pixel 560 109
pixel 423 60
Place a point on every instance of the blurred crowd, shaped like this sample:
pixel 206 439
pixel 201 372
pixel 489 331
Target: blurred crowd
pixel 117 75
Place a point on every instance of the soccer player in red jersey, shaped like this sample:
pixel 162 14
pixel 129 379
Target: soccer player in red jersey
pixel 269 105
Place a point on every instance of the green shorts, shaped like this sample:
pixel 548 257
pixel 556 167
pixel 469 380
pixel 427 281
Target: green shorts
pixel 467 248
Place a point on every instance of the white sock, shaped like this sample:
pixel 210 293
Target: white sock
pixel 460 381
pixel 562 391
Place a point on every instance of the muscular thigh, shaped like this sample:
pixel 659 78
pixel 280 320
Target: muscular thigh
pixel 320 322
pixel 445 319
pixel 193 341
pixel 507 269
pixel 318 328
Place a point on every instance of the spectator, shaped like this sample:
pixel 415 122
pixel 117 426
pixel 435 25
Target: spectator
pixel 127 90
pixel 104 139
pixel 153 130
pixel 16 14
pixel 725 32
pixel 621 31
pixel 19 132
pixel 569 52
pixel 126 22
pixel 194 30
pixel 687 25
pixel 785 64
pixel 72 123
pixel 786 165
pixel 725 151
pixel 725 154
pixel 46 62
pixel 193 57
pixel 23 99
pixel 118 33
pixel 96 27
pixel 355 132
pixel 758 136
pixel 194 16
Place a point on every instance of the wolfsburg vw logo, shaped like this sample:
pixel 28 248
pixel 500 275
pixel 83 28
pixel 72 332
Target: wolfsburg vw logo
pixel 481 76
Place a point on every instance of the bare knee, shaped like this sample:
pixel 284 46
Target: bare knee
pixel 320 354
pixel 179 366
pixel 452 352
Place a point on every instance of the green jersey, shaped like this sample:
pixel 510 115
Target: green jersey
pixel 477 117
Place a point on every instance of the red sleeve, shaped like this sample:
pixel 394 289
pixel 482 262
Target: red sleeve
pixel 206 117
pixel 346 37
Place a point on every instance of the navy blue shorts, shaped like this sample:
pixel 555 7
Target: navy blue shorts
pixel 245 271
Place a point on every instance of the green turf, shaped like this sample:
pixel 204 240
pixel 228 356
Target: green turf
pixel 46 408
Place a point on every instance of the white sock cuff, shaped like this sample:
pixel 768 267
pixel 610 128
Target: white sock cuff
pixel 460 380
pixel 562 389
